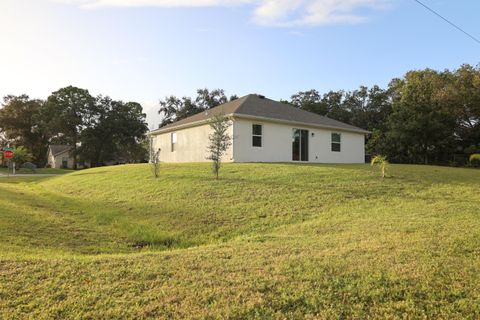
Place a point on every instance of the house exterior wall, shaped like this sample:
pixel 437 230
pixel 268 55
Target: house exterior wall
pixel 277 144
pixel 191 145
pixel 56 161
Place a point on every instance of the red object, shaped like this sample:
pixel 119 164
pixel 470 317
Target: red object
pixel 8 154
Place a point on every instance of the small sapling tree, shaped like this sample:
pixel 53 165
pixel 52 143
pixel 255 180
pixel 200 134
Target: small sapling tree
pixel 381 162
pixel 219 141
pixel 155 164
pixel 154 160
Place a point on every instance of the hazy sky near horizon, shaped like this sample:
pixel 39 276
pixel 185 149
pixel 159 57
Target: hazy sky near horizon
pixel 143 50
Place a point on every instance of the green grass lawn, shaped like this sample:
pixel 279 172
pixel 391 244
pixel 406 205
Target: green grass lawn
pixel 265 241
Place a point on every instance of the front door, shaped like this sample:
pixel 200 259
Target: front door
pixel 300 145
pixel 64 162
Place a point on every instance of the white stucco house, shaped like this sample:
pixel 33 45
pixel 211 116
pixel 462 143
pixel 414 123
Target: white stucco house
pixel 263 130
pixel 59 157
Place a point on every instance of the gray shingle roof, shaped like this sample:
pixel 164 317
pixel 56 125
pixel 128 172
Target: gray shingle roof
pixel 58 148
pixel 255 106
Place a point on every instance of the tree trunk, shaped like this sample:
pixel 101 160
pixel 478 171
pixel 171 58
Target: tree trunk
pixel 425 154
pixel 96 160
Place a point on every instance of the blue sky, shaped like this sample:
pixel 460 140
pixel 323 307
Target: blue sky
pixel 143 50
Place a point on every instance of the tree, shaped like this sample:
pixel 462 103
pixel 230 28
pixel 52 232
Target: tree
pixel 154 159
pixel 422 125
pixel 210 99
pixel 464 95
pixel 116 131
pixel 219 141
pixel 22 123
pixel 368 108
pixel 331 104
pixel 309 101
pixel 21 156
pixel 376 143
pixel 97 140
pixel 365 108
pixel 130 129
pixel 3 140
pixel 71 110
pixel 174 109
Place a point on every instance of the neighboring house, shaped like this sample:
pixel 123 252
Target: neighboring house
pixel 263 130
pixel 59 156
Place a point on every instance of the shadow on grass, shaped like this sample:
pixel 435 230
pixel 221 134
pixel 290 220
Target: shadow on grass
pixel 90 224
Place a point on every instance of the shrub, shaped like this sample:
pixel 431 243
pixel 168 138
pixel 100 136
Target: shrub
pixel 382 162
pixel 472 149
pixel 475 159
pixel 21 156
pixel 29 166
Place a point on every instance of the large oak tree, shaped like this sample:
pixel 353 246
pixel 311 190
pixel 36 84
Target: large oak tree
pixel 22 123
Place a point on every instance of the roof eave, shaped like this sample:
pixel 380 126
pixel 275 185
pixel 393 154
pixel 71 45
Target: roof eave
pixel 245 116
pixel 61 152
pixel 306 124
pixel 183 126
pixel 58 153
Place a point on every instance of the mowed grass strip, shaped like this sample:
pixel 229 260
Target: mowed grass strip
pixel 265 241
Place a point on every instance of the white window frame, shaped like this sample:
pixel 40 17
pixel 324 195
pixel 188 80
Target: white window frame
pixel 173 141
pixel 257 135
pixel 336 142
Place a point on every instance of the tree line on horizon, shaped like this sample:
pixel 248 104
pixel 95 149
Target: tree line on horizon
pixel 99 129
pixel 426 116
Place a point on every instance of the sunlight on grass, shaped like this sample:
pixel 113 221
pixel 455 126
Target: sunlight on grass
pixel 265 241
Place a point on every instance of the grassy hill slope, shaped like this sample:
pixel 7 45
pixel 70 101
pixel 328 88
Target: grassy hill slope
pixel 265 241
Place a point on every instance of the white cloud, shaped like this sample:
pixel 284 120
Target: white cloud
pixel 284 13
pixel 313 12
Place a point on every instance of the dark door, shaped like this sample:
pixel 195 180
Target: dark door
pixel 300 145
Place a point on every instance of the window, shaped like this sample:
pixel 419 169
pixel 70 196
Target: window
pixel 336 142
pixel 257 135
pixel 173 140
pixel 300 145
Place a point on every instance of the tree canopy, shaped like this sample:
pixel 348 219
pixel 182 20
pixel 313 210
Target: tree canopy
pixel 99 129
pixel 22 123
pixel 71 111
pixel 425 116
pixel 174 109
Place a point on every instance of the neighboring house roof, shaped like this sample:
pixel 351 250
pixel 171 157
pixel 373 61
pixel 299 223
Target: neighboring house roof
pixel 59 149
pixel 258 107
